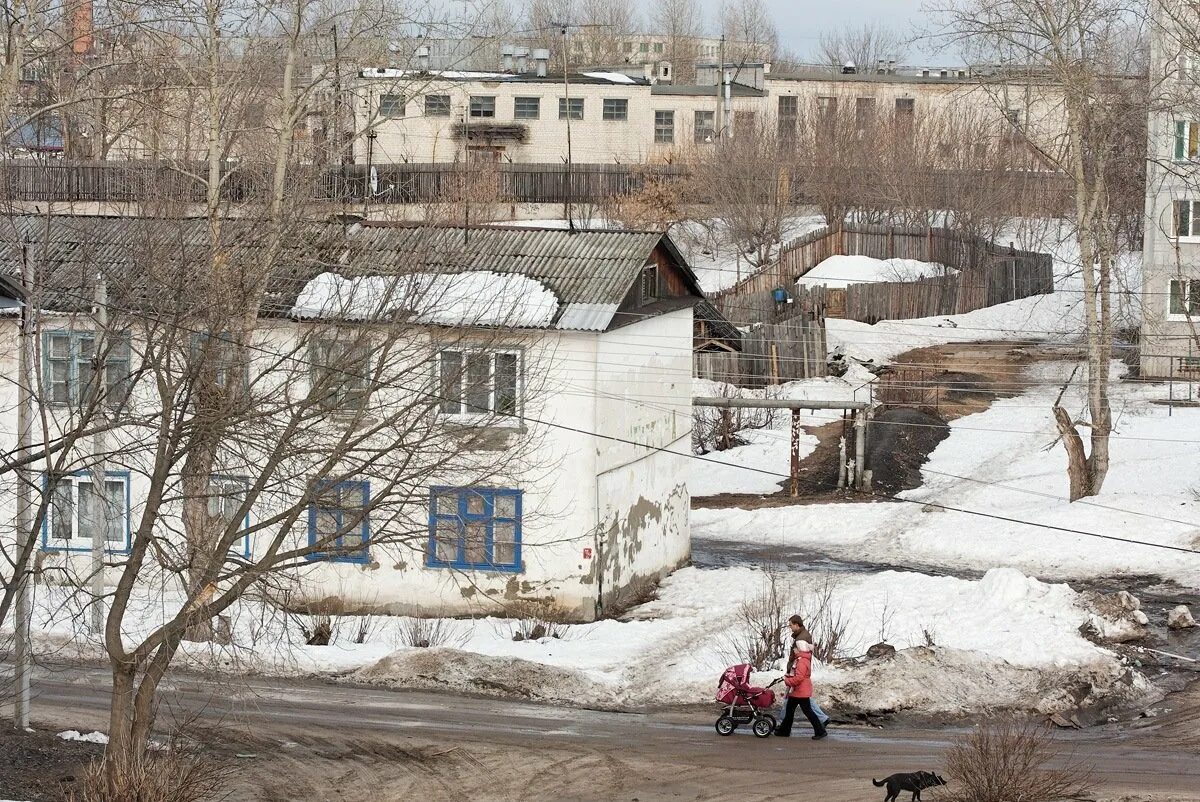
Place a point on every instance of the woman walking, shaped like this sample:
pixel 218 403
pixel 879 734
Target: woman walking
pixel 800 632
pixel 799 682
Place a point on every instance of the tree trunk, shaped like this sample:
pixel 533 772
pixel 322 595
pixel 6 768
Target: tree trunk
pixel 1078 469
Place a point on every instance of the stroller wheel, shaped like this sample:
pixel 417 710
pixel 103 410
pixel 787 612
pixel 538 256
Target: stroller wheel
pixel 725 725
pixel 763 727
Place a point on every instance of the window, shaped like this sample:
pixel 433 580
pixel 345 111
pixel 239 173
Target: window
pixel 479 382
pixel 615 108
pixel 72 513
pixel 391 106
pixel 474 527
pixel 789 116
pixel 1185 298
pixel 905 106
pixel 1187 68
pixel 527 108
pixel 226 494
pixel 219 362
pixel 629 47
pixel 483 106
pixel 827 105
pixel 339 373
pixel 437 105
pixel 664 127
pixel 648 285
pixel 658 47
pixel 1189 364
pixel 706 126
pixel 864 113
pixel 338 522
pixel 570 108
pixel 1187 218
pixel 644 47
pixel 69 360
pixel 1187 138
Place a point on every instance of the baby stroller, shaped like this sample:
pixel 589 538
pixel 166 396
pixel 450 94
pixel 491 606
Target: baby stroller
pixel 743 703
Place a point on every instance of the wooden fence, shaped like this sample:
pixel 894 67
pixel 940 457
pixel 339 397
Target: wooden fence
pixel 772 353
pixel 987 275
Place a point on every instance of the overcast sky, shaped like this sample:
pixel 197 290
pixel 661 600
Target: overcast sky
pixel 800 22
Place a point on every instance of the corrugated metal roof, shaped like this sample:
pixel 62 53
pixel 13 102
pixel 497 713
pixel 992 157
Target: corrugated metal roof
pixel 149 259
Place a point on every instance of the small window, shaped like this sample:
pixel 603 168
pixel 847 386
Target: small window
pixel 338 522
pixel 527 108
pixel 1187 218
pixel 570 108
pixel 69 358
pixel 226 495
pixel 905 106
pixel 827 105
pixel 1185 298
pixel 479 383
pixel 340 372
pixel 644 47
pixel 649 284
pixel 1187 140
pixel 864 113
pixel 664 127
pixel 483 106
pixel 629 47
pixel 474 527
pixel 391 106
pixel 658 47
pixel 437 105
pixel 789 106
pixel 218 362
pixel 72 513
pixel 705 126
pixel 1189 364
pixel 615 108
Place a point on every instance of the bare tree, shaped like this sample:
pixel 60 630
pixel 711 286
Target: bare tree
pixel 1078 45
pixel 749 29
pixel 679 22
pixel 863 45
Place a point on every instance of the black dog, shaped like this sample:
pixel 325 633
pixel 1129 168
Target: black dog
pixel 908 782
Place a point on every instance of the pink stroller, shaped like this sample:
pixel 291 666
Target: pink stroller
pixel 743 703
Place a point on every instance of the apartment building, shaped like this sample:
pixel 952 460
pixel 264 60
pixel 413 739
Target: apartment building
pixel 1170 342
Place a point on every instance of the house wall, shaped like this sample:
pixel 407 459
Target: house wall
pixel 566 474
pixel 1168 343
pixel 645 406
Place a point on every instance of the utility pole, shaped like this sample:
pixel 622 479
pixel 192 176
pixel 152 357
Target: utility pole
pixel 99 508
pixel 337 116
pixel 367 175
pixel 23 646
pixel 569 197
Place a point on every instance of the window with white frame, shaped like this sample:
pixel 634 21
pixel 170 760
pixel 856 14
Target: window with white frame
pixel 1187 140
pixel 338 522
pixel 437 105
pixel 483 106
pixel 664 127
pixel 474 527
pixel 391 106
pixel 73 512
pixel 1187 218
pixel 1184 298
pixel 527 108
pixel 69 359
pixel 226 495
pixel 479 382
pixel 570 108
pixel 615 109
pixel 340 372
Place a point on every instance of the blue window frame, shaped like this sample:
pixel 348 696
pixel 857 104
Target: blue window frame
pixel 67 524
pixel 474 527
pixel 339 517
pixel 226 495
pixel 67 362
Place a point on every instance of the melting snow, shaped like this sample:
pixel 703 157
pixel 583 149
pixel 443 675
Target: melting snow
pixel 90 738
pixel 841 271
pixel 476 298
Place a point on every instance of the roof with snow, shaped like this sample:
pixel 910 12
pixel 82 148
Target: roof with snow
pixel 543 277
pixel 609 77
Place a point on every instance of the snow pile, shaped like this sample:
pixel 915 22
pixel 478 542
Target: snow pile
pixel 474 298
pixel 611 77
pixel 842 271
pixel 90 738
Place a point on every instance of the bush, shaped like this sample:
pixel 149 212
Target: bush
pixel 1011 761
pixel 826 619
pixel 642 590
pixel 168 776
pixel 534 620
pixel 425 633
pixel 757 636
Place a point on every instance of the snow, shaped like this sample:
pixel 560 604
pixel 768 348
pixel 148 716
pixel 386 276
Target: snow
pixel 753 468
pixel 90 738
pixel 473 298
pixel 613 77
pixel 842 271
pixel 453 75
pixel 593 224
pixel 710 251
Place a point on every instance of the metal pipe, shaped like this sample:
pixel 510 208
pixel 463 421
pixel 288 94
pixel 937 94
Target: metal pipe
pixel 776 403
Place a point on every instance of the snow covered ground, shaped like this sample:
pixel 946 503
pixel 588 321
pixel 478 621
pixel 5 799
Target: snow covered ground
pixel 842 271
pixel 716 261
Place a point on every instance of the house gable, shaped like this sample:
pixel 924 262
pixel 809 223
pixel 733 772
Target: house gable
pixel 665 284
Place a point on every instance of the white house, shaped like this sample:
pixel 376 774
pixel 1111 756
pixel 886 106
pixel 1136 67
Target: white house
pixel 543 378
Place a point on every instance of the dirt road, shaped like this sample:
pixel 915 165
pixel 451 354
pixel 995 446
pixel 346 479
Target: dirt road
pixel 308 740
